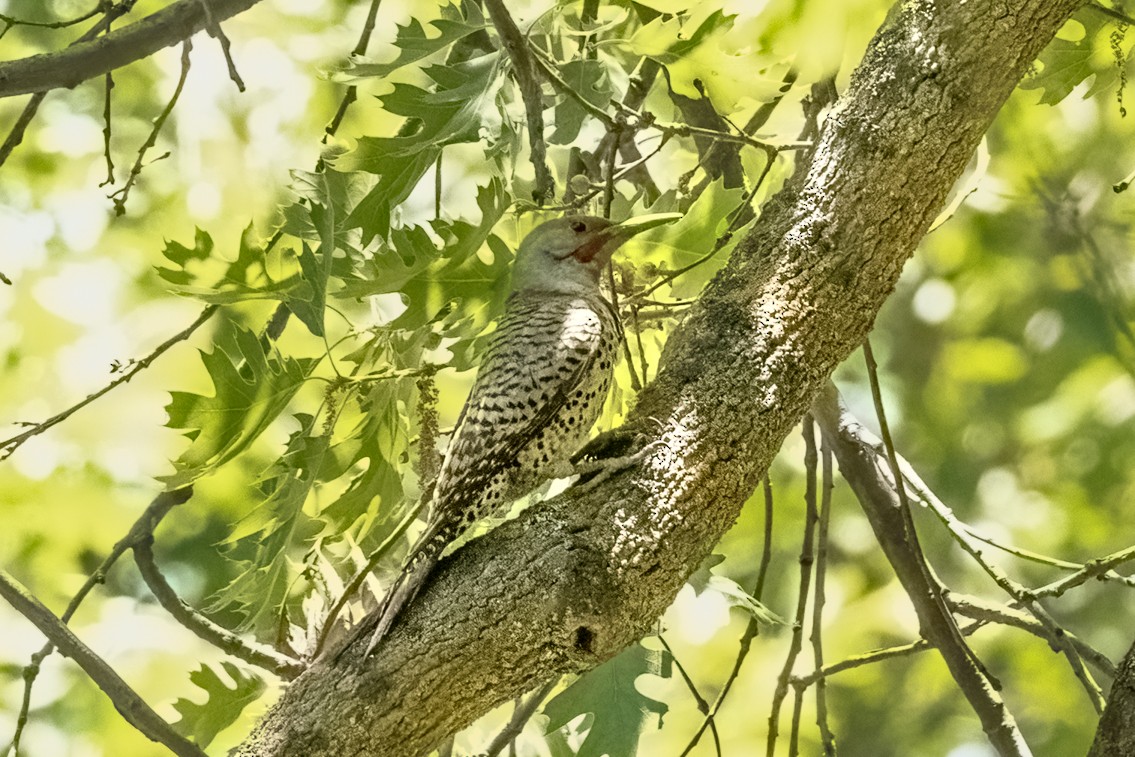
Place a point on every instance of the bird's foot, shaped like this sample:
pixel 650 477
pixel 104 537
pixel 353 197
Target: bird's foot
pixel 593 472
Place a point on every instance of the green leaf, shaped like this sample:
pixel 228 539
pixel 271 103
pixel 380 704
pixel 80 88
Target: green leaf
pixel 223 704
pixel 588 78
pixel 618 709
pixel 276 529
pixel 253 275
pixel 689 241
pixel 183 257
pixel 452 113
pixel 736 596
pixel 456 23
pixel 1081 49
pixel 251 388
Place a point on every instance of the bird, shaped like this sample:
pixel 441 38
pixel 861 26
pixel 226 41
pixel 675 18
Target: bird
pixel 540 388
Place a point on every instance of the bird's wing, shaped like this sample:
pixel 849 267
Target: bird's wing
pixel 535 363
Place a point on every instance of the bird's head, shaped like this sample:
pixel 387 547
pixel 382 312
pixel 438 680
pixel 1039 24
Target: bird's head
pixel 568 254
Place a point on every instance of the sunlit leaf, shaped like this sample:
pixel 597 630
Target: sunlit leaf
pixel 223 704
pixel 618 711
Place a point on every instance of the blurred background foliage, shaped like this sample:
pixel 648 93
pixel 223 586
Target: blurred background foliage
pixel 1008 361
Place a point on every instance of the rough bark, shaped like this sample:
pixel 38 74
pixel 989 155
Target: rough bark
pixel 575 580
pixel 86 60
pixel 1115 736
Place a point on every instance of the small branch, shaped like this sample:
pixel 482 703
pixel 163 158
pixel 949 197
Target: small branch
pixel 108 86
pixel 119 197
pixel 1119 16
pixel 8 446
pixel 146 523
pixel 806 560
pixel 131 706
pixel 702 704
pixel 991 612
pixel 826 736
pixel 213 26
pixel 357 580
pixel 544 62
pixel 16 135
pixel 524 68
pixel 11 21
pixel 752 630
pixel 1097 569
pixel 864 471
pixel 87 59
pixel 520 717
pixel 220 637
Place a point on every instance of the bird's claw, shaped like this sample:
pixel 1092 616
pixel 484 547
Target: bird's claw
pixel 592 473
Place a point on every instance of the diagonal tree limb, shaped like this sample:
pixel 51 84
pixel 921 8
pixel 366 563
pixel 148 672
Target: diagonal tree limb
pixel 87 60
pixel 133 708
pixel 865 471
pixel 573 581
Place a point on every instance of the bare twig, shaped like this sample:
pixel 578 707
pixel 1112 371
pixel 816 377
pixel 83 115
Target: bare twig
pixel 524 68
pixel 520 717
pixel 220 637
pixel 865 472
pixel 826 736
pixel 145 525
pixel 102 6
pixel 131 706
pixel 1112 12
pixel 807 558
pixel 86 59
pixel 753 627
pixel 119 196
pixel 16 134
pixel 8 446
pixel 107 87
pixel 213 26
pixel 702 704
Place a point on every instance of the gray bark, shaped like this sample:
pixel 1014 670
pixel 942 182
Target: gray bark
pixel 1115 736
pixel 575 580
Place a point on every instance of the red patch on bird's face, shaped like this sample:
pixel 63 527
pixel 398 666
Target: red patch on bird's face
pixel 587 251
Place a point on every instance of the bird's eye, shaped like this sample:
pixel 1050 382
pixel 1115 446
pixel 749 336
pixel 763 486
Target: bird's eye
pixel 578 227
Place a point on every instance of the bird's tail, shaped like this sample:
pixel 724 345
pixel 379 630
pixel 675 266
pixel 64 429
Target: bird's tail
pixel 424 555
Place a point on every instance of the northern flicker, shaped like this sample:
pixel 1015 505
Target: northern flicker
pixel 539 389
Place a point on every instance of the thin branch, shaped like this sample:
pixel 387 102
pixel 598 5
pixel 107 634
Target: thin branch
pixel 826 736
pixel 702 704
pixel 145 525
pixel 87 60
pixel 11 21
pixel 1097 569
pixel 544 62
pixel 108 85
pixel 520 717
pixel 16 134
pixel 220 637
pixel 807 558
pixel 8 446
pixel 119 196
pixel 131 706
pixel 752 630
pixel 864 471
pixel 1022 595
pixel 1118 15
pixel 524 68
pixel 360 575
pixel 213 26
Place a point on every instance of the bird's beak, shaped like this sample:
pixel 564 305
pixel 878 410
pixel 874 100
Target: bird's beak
pixel 605 241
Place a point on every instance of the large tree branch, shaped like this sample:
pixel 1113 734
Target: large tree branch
pixel 87 60
pixel 575 580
